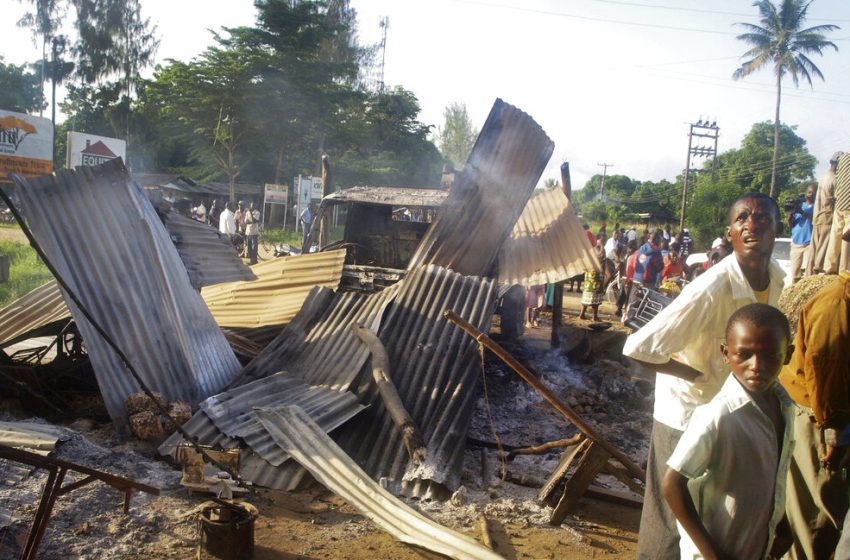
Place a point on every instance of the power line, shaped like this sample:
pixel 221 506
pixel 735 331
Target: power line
pixel 701 11
pixel 597 19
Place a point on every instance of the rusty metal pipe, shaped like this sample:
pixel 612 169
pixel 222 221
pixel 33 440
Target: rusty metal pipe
pixel 547 394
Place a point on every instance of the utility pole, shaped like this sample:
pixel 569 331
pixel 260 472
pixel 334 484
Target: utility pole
pixel 702 131
pixel 604 167
pixel 385 25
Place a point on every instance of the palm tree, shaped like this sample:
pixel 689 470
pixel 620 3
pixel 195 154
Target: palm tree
pixel 781 42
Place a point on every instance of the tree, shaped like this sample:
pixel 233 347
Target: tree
pixel 782 42
pixel 457 135
pixel 19 90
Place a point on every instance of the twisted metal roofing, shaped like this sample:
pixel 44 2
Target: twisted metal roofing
pixel 104 237
pixel 277 294
pixel 489 195
pixel 209 257
pixel 295 432
pixel 547 244
pixel 436 369
pixel 38 308
pixel 396 196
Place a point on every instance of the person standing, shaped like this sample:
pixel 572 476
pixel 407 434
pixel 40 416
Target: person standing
pixel 252 232
pixel 214 214
pixel 227 221
pixel 822 217
pixel 838 253
pixel 818 380
pixel 306 223
pixel 800 222
pixel 650 262
pixel 201 212
pixel 681 344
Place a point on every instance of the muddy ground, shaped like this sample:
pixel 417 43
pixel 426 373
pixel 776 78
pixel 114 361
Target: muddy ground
pixel 88 523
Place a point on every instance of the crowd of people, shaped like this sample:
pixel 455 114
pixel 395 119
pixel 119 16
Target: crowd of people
pixel 752 464
pixel 237 221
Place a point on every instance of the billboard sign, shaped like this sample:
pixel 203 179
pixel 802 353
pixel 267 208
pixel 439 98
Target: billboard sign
pixel 277 194
pixel 88 149
pixel 26 145
pixel 308 189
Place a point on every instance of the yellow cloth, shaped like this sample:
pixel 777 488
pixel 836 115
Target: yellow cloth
pixel 818 376
pixel 762 296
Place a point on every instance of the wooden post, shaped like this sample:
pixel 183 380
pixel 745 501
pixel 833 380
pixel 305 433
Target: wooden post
pixel 327 188
pixel 380 373
pixel 558 296
pixel 592 461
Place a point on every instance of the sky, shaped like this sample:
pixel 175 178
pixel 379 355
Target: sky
pixel 610 81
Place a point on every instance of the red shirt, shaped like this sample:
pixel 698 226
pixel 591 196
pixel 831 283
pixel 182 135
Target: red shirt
pixel 630 266
pixel 673 269
pixel 590 237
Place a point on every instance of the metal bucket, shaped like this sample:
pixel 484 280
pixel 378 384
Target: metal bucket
pixel 226 530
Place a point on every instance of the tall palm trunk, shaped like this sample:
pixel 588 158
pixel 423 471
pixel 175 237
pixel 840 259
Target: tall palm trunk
pixel 775 135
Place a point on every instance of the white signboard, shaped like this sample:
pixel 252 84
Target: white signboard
pixel 88 149
pixel 277 194
pixel 26 145
pixel 308 189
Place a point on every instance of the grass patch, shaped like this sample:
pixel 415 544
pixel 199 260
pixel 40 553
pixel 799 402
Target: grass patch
pixel 277 235
pixel 26 271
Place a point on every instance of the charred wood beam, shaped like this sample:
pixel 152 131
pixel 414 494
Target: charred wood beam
pixel 413 441
pixel 544 447
pixel 559 405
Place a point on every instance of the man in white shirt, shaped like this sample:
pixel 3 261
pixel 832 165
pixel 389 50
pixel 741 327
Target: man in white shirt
pixel 227 221
pixel 681 343
pixel 306 224
pixel 252 232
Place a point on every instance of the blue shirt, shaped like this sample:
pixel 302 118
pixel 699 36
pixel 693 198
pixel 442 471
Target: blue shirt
pixel 648 265
pixel 801 230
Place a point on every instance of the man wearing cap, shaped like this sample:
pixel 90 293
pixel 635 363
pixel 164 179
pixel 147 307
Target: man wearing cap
pixel 822 218
pixel 838 252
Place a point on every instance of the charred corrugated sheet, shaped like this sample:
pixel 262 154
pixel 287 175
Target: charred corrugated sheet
pixel 277 294
pixel 210 258
pixel 105 239
pixel 435 368
pixel 394 196
pixel 39 308
pixel 547 244
pixel 488 196
pixel 298 433
pixel 228 418
pixel 319 345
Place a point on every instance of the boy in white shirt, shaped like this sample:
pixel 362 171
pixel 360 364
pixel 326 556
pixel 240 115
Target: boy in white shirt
pixel 725 481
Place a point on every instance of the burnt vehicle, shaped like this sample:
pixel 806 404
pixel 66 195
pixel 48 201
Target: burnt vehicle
pixel 382 228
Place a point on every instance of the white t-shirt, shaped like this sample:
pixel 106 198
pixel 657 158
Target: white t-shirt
pixel 737 471
pixel 227 222
pixel 690 330
pixel 252 222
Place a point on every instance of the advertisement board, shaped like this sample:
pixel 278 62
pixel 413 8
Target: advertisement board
pixel 26 145
pixel 277 194
pixel 88 149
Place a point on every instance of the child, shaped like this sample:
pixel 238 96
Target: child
pixel 725 482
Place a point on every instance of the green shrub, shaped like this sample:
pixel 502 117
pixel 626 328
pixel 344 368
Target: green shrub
pixel 26 271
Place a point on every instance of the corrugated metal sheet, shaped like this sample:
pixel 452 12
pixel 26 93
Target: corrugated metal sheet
pixel 436 370
pixel 40 307
pixel 277 294
pixel 396 196
pixel 319 345
pixel 209 257
pixel 31 436
pixel 295 432
pixel 104 237
pixel 489 195
pixel 228 417
pixel 547 244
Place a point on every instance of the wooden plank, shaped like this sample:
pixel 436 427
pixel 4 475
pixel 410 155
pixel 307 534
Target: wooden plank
pixel 613 496
pixel 561 470
pixel 592 461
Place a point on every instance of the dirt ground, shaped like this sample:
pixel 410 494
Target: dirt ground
pixel 314 524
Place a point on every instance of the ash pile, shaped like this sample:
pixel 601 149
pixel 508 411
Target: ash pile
pixel 398 390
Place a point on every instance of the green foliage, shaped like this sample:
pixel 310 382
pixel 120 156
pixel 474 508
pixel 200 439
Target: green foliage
pixel 782 42
pixel 26 271
pixel 20 90
pixel 750 165
pixel 457 135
